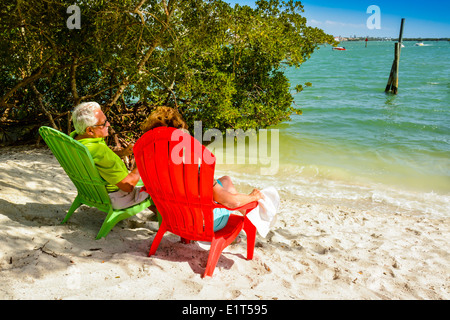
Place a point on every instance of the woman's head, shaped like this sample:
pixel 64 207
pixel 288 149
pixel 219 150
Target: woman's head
pixel 164 117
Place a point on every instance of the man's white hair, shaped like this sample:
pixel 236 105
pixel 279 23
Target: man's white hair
pixel 83 116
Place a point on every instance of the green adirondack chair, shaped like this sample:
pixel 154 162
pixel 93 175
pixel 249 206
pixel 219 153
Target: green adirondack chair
pixel 77 162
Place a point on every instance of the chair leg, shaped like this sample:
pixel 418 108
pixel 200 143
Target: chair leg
pixel 250 231
pixel 75 205
pixel 217 246
pixel 157 239
pixel 113 218
pixel 109 222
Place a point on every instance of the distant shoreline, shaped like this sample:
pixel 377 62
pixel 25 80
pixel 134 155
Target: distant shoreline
pixel 391 39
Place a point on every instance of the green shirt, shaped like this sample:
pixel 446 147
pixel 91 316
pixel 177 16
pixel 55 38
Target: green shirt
pixel 109 164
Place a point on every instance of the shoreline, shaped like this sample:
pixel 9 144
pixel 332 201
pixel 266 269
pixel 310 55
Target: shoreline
pixel 314 251
pixel 359 193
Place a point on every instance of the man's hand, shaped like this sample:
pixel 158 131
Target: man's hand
pixel 125 151
pixel 128 150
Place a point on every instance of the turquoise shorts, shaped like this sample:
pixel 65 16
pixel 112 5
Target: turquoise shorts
pixel 221 216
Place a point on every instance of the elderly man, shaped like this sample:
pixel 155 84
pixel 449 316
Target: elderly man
pixel 91 127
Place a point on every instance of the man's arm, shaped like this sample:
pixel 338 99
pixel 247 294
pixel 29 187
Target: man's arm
pixel 130 181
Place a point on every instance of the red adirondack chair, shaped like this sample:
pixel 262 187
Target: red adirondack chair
pixel 178 173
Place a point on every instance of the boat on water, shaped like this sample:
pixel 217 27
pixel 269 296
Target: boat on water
pixel 339 48
pixel 419 44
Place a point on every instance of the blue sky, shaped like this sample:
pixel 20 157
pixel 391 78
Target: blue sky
pixel 348 18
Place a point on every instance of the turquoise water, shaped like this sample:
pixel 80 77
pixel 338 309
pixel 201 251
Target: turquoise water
pixel 350 123
pixel 356 145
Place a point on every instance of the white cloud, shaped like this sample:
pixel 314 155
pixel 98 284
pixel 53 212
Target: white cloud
pixel 344 24
pixel 315 22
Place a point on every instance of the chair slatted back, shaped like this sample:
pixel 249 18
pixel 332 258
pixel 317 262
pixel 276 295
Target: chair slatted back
pixel 77 162
pixel 178 173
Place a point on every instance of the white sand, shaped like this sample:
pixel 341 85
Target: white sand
pixel 313 252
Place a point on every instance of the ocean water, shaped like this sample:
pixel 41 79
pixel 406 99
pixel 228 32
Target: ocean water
pixel 357 146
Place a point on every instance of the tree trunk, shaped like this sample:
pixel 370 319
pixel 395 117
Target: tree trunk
pixel 44 109
pixel 141 65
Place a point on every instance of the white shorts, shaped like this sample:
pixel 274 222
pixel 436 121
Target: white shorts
pixel 121 199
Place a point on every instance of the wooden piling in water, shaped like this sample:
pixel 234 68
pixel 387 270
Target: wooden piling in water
pixel 392 85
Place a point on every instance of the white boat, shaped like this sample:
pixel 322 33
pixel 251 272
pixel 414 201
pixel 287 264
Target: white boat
pixel 419 44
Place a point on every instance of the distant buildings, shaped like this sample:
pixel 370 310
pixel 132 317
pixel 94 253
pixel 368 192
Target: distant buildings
pixel 355 38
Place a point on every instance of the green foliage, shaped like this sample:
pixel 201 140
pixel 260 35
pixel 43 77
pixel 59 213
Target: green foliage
pixel 219 64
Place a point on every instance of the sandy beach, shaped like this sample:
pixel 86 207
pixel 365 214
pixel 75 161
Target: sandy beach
pixel 313 252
